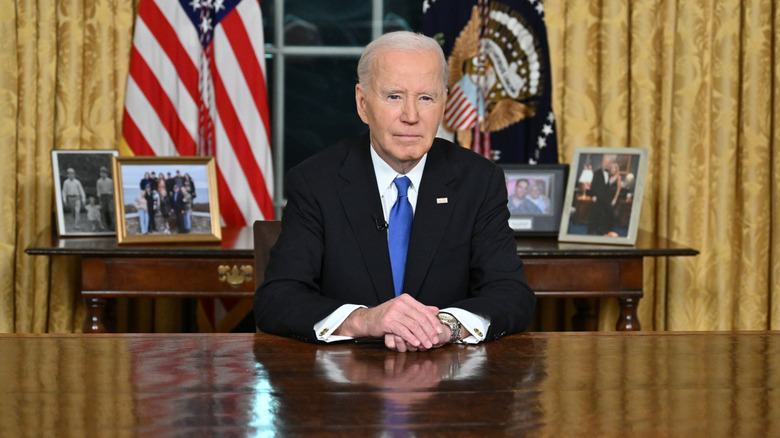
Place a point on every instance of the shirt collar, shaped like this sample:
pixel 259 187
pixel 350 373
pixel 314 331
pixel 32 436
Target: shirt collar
pixel 385 174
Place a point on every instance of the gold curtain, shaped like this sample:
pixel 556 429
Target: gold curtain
pixel 691 81
pixel 63 70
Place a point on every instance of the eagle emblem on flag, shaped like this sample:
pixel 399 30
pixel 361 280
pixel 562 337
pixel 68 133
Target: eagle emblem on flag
pixel 496 80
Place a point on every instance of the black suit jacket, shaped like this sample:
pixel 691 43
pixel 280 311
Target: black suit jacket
pixel 462 252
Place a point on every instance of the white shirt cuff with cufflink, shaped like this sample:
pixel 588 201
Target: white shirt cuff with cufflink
pixel 475 324
pixel 325 328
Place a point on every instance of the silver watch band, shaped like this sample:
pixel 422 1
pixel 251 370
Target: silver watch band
pixel 452 323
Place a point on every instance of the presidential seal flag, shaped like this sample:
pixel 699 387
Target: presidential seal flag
pixel 500 101
pixel 197 86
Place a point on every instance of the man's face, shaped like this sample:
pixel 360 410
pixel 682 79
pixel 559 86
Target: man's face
pixel 403 106
pixel 521 189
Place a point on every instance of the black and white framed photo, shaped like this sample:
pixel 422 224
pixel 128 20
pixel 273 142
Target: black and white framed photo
pixel 84 192
pixel 535 197
pixel 604 195
pixel 166 199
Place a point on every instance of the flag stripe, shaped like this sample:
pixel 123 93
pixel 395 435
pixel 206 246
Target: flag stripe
pixel 162 104
pixel 240 143
pixel 133 135
pixel 250 67
pixel 228 208
pixel 250 114
pixel 165 35
pixel 141 112
pixel 174 66
pixel 234 176
pixel 457 107
pixel 165 76
pixel 467 119
pixel 461 113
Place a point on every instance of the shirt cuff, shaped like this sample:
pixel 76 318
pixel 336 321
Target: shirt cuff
pixel 476 325
pixel 324 329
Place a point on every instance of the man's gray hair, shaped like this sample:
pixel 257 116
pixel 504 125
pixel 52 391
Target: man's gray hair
pixel 403 41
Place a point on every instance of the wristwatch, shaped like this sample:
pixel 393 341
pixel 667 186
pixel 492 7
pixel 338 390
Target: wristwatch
pixel 451 322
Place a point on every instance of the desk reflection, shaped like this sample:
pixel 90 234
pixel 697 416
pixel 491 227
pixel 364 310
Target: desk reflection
pixel 546 384
pixel 405 378
pixel 379 391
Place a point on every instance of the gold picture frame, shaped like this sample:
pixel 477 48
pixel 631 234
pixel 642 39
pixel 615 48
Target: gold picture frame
pixel 138 188
pixel 599 208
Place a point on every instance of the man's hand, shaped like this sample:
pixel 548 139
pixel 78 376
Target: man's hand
pixel 403 317
pixel 397 343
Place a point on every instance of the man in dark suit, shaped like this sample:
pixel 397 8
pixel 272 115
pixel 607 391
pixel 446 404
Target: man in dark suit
pixel 602 194
pixel 178 208
pixel 330 277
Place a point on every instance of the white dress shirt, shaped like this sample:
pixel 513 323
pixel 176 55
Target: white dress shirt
pixel 385 175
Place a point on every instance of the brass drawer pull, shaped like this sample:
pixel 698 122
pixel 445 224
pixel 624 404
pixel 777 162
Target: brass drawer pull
pixel 235 276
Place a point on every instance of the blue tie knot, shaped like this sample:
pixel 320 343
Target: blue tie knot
pixel 402 184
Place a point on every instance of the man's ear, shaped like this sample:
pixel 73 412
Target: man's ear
pixel 360 103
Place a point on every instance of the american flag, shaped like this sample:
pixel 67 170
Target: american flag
pixel 197 86
pixel 461 110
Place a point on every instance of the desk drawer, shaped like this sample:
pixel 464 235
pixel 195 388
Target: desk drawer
pixel 584 275
pixel 165 277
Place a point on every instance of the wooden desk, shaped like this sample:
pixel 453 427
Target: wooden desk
pixel 554 269
pixel 543 384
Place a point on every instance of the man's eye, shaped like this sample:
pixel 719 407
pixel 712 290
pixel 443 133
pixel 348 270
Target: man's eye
pixel 426 98
pixel 393 97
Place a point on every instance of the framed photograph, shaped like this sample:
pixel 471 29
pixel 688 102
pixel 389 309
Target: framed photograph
pixel 604 195
pixel 84 192
pixel 166 199
pixel 535 197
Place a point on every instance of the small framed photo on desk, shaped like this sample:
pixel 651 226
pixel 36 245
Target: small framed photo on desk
pixel 535 197
pixel 166 199
pixel 604 195
pixel 84 192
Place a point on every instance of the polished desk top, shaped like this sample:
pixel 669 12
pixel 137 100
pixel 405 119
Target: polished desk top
pixel 542 384
pixel 239 243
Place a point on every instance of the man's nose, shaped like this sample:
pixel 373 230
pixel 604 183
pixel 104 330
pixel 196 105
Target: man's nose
pixel 410 111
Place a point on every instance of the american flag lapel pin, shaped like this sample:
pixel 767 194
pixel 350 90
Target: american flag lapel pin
pixel 441 200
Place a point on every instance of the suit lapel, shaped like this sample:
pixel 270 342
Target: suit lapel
pixel 435 204
pixel 361 201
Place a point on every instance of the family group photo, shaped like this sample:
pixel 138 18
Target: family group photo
pixel 166 199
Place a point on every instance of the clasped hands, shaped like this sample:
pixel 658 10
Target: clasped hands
pixel 405 323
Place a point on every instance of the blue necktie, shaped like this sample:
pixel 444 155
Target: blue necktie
pixel 398 232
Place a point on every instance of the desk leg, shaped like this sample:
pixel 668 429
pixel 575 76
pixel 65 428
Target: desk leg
pixel 628 320
pixel 93 322
pixel 587 317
